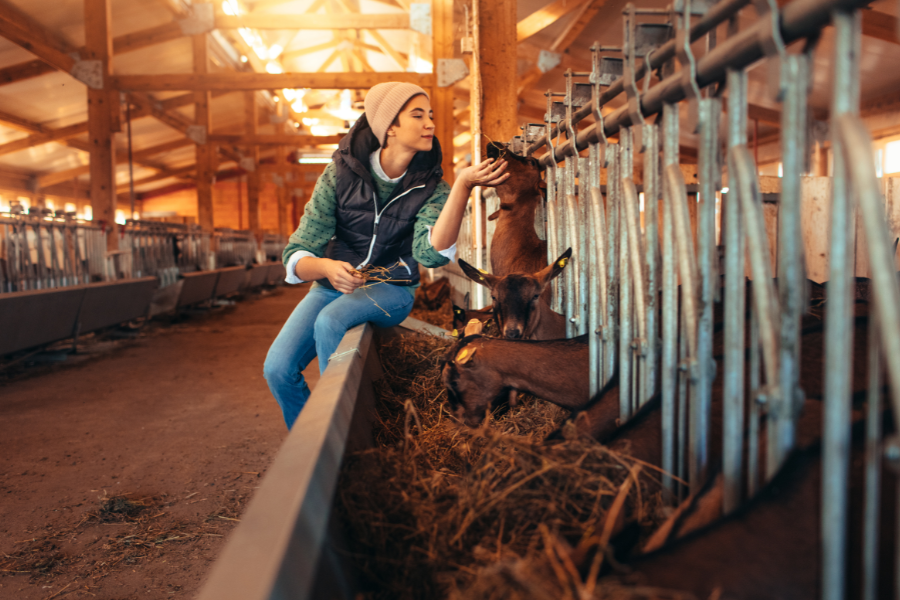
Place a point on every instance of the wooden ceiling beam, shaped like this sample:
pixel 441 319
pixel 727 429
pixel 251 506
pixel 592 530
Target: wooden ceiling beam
pixel 321 22
pixel 37 139
pixel 176 7
pixel 147 37
pixel 277 139
pixel 545 17
pixel 400 58
pixel 182 172
pixel 880 26
pixel 25 70
pixel 21 124
pixel 121 44
pixel 290 54
pixel 31 39
pixel 265 81
pixel 50 179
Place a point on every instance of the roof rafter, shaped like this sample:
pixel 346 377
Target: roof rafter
pixel 543 18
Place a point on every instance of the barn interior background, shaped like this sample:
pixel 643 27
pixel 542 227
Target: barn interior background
pixel 712 166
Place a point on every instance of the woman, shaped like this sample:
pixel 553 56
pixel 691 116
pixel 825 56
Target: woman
pixel 381 202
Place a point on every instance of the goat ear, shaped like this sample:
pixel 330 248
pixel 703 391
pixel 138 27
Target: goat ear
pixel 547 274
pixel 477 275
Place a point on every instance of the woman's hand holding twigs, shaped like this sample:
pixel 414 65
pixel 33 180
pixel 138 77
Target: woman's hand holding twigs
pixel 488 173
pixel 343 276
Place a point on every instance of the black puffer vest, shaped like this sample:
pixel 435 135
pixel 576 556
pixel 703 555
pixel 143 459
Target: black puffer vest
pixel 369 232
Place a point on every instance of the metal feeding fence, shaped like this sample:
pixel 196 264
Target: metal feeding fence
pixel 646 295
pixel 40 252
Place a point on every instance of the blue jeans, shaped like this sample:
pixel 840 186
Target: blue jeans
pixel 316 327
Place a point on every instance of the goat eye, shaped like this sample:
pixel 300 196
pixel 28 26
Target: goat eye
pixel 536 296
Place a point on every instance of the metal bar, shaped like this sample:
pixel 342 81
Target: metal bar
pixel 791 271
pixel 625 291
pixel 668 370
pixel 764 297
pixel 599 326
pixel 799 19
pixel 733 378
pixel 718 13
pixel 709 110
pixel 573 275
pixel 873 467
pixel 583 263
pixel 838 319
pixel 698 445
pixel 612 263
pixel 652 259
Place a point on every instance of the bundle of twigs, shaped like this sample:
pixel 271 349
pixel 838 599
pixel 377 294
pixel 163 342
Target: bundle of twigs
pixel 435 506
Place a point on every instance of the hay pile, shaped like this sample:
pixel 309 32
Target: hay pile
pixel 441 315
pixel 438 510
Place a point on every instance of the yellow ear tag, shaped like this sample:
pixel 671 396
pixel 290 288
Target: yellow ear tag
pixel 562 263
pixel 474 327
pixel 482 271
pixel 465 355
pixel 455 333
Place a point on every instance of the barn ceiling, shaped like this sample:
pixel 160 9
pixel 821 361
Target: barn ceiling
pixel 38 103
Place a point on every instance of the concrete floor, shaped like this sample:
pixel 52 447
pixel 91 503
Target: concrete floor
pixel 182 414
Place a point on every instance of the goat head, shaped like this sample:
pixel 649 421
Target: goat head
pixel 517 297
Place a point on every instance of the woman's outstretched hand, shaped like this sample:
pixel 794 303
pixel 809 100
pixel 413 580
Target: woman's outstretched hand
pixel 343 276
pixel 488 173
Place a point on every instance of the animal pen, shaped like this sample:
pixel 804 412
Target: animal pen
pixel 645 293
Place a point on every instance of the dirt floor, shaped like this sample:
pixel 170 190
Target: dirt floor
pixel 122 475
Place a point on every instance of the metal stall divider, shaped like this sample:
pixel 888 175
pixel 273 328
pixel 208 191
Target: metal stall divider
pixel 577 95
pixel 44 252
pixel 604 71
pixel 554 214
pixel 852 138
pixel 838 319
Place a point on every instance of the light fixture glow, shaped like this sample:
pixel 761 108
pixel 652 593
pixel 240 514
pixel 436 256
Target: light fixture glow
pixel 314 160
pixel 88 212
pixel 275 51
pixel 70 207
pixel 120 217
pixel 274 68
pixel 724 190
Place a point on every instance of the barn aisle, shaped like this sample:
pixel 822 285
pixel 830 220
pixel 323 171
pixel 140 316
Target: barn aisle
pixel 179 421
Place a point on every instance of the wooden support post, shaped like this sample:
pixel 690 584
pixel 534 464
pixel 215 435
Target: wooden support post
pixel 97 29
pixel 498 70
pixel 250 128
pixel 442 97
pixel 205 172
pixel 282 190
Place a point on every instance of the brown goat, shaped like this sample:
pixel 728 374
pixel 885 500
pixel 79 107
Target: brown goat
pixel 477 371
pixel 516 247
pixel 771 546
pixel 462 316
pixel 520 309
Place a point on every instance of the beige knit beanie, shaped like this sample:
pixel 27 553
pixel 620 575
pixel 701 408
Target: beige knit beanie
pixel 383 104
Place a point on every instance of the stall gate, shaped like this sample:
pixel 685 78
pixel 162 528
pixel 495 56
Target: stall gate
pixel 646 296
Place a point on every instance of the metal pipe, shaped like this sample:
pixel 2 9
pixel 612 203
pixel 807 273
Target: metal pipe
pixel 838 319
pixel 800 18
pixel 718 13
pixel 625 308
pixel 873 466
pixel 668 373
pixel 652 259
pixel 612 253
